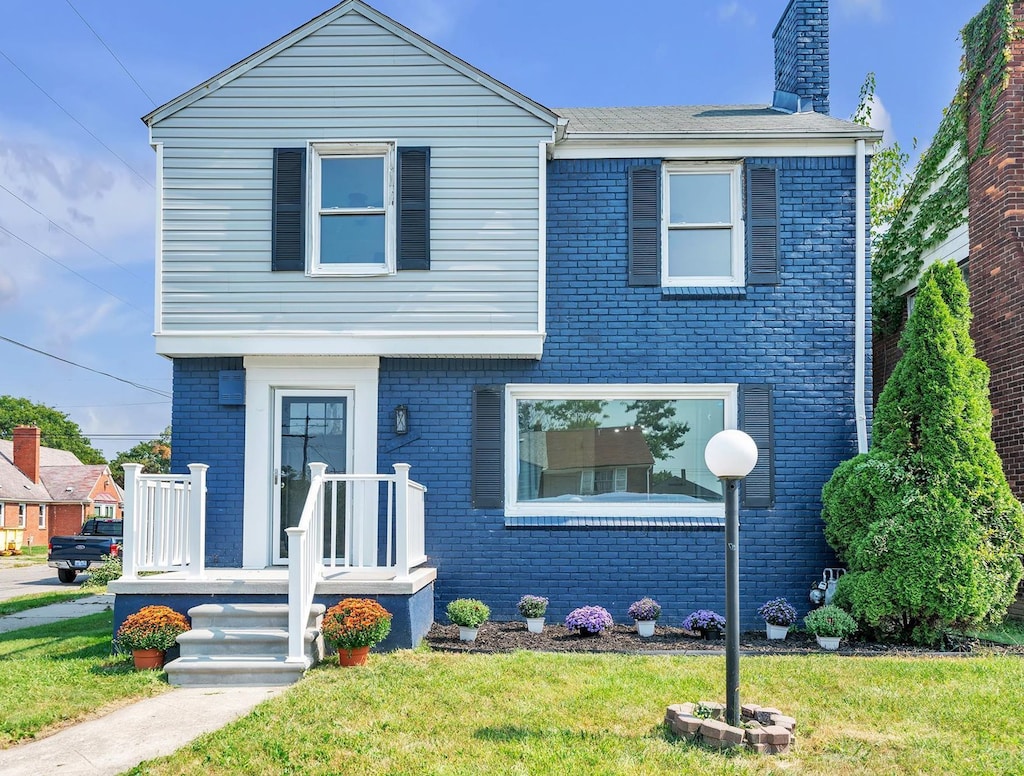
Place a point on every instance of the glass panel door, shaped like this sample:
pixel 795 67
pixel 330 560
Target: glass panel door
pixel 311 428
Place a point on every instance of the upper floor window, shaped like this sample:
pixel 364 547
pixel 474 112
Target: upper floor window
pixel 352 208
pixel 702 227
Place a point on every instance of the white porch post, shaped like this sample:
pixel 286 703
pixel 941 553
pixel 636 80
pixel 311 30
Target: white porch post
pixel 129 553
pixel 197 521
pixel 402 519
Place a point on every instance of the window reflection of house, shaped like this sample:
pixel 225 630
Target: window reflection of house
pixel 584 462
pixel 681 486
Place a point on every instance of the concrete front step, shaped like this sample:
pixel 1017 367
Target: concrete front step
pixel 242 644
pixel 233 670
pixel 243 641
pixel 248 615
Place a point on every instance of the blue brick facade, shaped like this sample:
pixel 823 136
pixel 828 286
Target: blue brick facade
pixel 802 52
pixel 796 336
pixel 207 432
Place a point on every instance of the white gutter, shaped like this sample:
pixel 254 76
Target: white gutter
pixel 860 296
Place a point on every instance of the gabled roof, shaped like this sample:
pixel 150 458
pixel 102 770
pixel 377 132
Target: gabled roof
pixel 595 448
pixel 666 121
pixel 62 477
pixel 349 6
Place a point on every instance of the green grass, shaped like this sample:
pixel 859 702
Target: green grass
pixel 34 600
pixel 30 556
pixel 534 713
pixel 54 674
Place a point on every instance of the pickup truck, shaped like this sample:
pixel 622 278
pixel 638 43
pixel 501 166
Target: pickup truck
pixel 72 554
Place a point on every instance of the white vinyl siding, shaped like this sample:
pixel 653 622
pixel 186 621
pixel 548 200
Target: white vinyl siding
pixel 356 81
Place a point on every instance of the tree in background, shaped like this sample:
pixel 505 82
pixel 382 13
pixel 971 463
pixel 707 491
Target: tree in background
pixel 662 432
pixel 925 521
pixel 154 455
pixel 57 430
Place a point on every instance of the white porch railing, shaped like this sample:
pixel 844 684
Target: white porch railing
pixel 164 521
pixel 357 514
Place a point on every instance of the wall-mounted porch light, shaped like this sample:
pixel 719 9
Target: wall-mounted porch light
pixel 401 419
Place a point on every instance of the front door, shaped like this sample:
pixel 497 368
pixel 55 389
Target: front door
pixel 310 427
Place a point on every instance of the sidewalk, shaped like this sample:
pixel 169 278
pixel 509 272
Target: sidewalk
pixel 118 741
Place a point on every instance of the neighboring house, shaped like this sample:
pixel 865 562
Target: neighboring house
pixel 49 492
pixel 372 253
pixel 964 205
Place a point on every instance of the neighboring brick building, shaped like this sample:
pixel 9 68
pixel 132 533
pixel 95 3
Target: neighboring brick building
pixel 48 492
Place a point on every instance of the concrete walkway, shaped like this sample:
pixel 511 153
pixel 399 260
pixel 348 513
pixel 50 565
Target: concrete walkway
pixel 118 741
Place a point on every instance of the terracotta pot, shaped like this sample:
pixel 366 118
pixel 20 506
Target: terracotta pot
pixel 148 659
pixel 353 657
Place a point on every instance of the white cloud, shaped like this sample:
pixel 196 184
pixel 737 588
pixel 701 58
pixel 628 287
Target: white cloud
pixel 872 9
pixel 735 11
pixel 881 118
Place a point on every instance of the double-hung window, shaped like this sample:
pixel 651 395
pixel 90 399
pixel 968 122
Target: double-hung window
pixel 353 208
pixel 22 512
pixel 42 515
pixel 701 223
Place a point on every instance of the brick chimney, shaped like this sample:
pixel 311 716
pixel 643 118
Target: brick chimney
pixel 26 451
pixel 801 57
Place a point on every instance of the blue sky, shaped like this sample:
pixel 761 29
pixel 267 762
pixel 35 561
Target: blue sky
pixel 89 300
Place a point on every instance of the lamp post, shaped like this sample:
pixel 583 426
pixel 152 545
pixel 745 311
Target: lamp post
pixel 730 455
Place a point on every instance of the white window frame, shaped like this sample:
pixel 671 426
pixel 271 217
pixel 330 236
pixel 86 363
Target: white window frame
pixel 42 515
pixel 22 513
pixel 728 393
pixel 332 149
pixel 735 172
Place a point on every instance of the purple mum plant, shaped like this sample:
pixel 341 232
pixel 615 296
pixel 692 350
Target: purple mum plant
pixel 778 612
pixel 588 620
pixel 532 605
pixel 704 620
pixel 644 609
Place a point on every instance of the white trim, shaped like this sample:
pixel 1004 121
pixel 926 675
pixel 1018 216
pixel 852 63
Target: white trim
pixel 860 298
pixel 727 392
pixel 542 234
pixel 734 171
pixel 317 151
pixel 262 376
pixel 695 147
pixel 440 344
pixel 158 285
pixel 310 27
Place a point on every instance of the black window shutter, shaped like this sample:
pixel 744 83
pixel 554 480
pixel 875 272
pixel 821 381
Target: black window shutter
pixel 288 233
pixel 413 199
pixel 756 420
pixel 487 466
pixel 644 226
pixel 762 226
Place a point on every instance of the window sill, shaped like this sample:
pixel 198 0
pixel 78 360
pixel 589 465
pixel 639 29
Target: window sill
pixel 704 292
pixel 664 521
pixel 352 271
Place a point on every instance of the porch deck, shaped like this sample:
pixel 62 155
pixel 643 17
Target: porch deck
pixel 335 582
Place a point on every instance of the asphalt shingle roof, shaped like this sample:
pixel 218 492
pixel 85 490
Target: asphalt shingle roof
pixel 701 119
pixel 63 477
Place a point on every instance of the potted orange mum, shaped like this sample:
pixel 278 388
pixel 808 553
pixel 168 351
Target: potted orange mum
pixel 149 633
pixel 352 626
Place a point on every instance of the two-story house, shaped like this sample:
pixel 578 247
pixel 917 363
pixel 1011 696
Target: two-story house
pixel 371 253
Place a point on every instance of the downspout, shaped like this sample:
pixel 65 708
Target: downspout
pixel 860 318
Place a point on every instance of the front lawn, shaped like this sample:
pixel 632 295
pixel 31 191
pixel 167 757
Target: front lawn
pixel 535 713
pixel 23 603
pixel 54 674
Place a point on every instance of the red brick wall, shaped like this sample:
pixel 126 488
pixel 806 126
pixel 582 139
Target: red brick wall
pixel 885 353
pixel 996 186
pixel 65 519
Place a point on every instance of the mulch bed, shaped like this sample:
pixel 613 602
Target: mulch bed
pixel 511 636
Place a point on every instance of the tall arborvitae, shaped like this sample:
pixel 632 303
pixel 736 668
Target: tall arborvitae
pixel 925 521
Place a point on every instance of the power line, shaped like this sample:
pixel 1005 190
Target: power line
pixel 91 134
pixel 70 234
pixel 65 266
pixel 86 368
pixel 103 406
pixel 110 51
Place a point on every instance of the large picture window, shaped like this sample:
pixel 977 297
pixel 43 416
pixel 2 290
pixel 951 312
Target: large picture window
pixel 352 195
pixel 701 225
pixel 614 450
